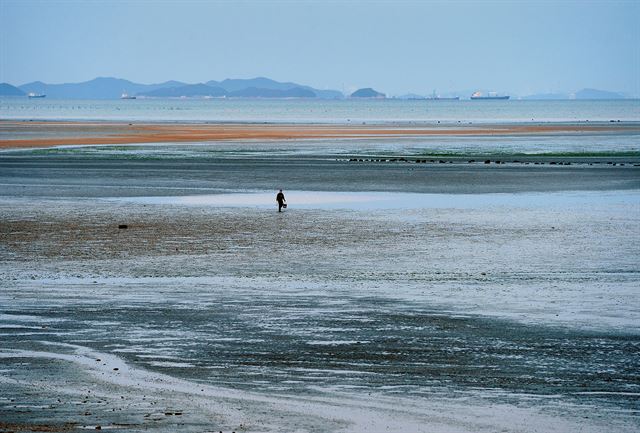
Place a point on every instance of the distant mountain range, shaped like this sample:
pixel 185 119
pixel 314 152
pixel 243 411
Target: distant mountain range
pixel 260 87
pixel 113 88
pixel 207 90
pixel 98 88
pixel 188 90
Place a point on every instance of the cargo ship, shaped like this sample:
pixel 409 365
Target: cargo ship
pixel 490 95
pixel 125 95
pixel 36 95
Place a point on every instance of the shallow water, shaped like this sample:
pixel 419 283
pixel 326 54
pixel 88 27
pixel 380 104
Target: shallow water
pixel 321 111
pixel 398 200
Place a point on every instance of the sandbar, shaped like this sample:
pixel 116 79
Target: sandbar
pixel 36 134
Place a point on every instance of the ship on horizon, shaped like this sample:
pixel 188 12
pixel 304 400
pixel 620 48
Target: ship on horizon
pixel 490 95
pixel 36 95
pixel 125 95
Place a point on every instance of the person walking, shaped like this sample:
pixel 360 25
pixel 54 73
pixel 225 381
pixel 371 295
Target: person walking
pixel 282 203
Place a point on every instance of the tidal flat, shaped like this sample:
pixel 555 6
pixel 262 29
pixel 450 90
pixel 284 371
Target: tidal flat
pixel 483 298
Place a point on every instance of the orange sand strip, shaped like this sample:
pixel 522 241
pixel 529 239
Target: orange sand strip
pixel 47 134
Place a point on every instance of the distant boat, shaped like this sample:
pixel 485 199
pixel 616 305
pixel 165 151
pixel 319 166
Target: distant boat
pixel 36 95
pixel 125 95
pixel 491 95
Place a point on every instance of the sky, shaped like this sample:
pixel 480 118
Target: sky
pixel 517 47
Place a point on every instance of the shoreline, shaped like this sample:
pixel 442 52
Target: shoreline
pixel 43 134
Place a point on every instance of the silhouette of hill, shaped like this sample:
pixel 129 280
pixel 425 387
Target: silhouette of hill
pixel 98 88
pixel 201 90
pixel 189 90
pixel 35 87
pixel 7 89
pixel 235 85
pixel 597 94
pixel 112 88
pixel 367 92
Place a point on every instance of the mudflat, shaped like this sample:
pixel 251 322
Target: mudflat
pixel 239 318
pixel 156 287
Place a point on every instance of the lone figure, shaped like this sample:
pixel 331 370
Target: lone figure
pixel 281 201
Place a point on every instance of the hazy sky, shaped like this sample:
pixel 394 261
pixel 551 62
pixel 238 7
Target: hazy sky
pixel 520 47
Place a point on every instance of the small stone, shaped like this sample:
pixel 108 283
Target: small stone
pixel 123 226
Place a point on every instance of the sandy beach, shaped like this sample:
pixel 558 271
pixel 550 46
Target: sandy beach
pixel 28 134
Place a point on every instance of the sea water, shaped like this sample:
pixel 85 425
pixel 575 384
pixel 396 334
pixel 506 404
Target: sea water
pixel 346 111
